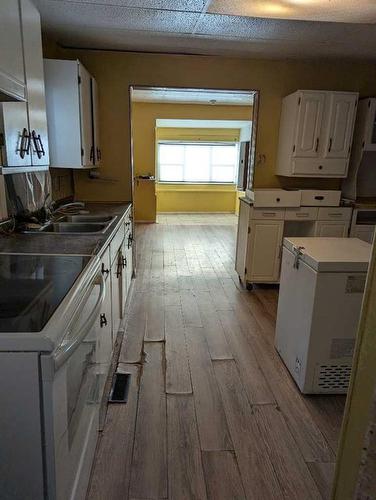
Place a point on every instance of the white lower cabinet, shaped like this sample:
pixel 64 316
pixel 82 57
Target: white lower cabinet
pixel 116 293
pixel 263 261
pixel 332 229
pixel 261 232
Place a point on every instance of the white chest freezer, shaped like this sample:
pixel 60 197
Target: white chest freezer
pixel 321 291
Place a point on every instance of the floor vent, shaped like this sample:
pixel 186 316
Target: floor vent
pixel 333 378
pixel 120 388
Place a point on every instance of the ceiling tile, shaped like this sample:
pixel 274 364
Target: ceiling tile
pixel 69 13
pixel 277 29
pixel 350 11
pixel 183 5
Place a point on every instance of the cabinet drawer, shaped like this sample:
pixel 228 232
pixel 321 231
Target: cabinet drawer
pixel 316 167
pixel 320 197
pixel 266 213
pixel 276 198
pixel 116 241
pixel 105 263
pixel 337 213
pixel 303 213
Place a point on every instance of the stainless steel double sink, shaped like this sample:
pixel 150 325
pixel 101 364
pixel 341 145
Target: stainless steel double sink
pixel 79 224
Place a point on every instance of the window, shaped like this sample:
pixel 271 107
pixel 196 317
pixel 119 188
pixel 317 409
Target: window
pixel 197 162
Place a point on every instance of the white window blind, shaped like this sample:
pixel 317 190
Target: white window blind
pixel 197 162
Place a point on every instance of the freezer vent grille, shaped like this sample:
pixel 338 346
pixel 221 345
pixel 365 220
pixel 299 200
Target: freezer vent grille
pixel 333 377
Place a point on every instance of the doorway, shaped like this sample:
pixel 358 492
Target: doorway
pixel 193 153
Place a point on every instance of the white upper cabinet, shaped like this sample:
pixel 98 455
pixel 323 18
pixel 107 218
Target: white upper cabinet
pixel 341 118
pixel 23 125
pixel 95 100
pixel 309 120
pixel 36 101
pixel 12 75
pixel 72 114
pixel 315 134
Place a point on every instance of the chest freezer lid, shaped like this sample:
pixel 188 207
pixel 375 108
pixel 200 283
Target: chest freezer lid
pixel 332 254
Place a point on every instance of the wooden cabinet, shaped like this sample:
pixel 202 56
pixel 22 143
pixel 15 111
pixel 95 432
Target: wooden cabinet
pixel 310 108
pixel 333 229
pixel 36 101
pixel 12 75
pixel 116 293
pixel 23 125
pixel 341 119
pixel 315 135
pixel 72 111
pixel 261 232
pixel 242 240
pixel 265 243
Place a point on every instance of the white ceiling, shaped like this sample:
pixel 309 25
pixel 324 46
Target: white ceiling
pixel 256 28
pixel 192 96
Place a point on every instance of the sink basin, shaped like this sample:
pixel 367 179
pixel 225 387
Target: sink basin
pixel 86 218
pixel 66 227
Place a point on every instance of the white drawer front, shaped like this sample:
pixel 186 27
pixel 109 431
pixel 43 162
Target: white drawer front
pixel 116 241
pixel 276 198
pixel 316 167
pixel 303 213
pixel 268 213
pixel 336 213
pixel 320 197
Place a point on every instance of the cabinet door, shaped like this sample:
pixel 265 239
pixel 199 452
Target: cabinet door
pixel 116 293
pixel 308 126
pixel 12 76
pixel 264 251
pixel 364 232
pixel 36 102
pixel 95 101
pixel 124 280
pixel 86 117
pixel 14 127
pixel 332 229
pixel 341 120
pixel 242 239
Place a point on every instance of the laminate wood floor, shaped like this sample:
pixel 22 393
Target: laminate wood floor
pixel 212 411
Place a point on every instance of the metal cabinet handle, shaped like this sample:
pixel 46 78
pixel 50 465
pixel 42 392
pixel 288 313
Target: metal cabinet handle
pixel 104 270
pixel 119 266
pixel 99 154
pixel 38 145
pixel 317 144
pixel 330 144
pixel 102 320
pixel 124 262
pixel 25 143
pixel 130 241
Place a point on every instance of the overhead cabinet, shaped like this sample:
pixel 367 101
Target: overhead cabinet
pixel 361 181
pixel 12 75
pixel 23 125
pixel 315 134
pixel 72 112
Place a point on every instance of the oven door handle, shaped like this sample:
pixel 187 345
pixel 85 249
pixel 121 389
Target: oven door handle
pixel 67 349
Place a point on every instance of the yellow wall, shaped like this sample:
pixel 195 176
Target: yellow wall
pixel 115 71
pixel 144 116
pixel 196 198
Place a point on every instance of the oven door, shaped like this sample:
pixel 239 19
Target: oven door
pixel 76 395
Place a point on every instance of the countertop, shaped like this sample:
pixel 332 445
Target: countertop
pixel 75 244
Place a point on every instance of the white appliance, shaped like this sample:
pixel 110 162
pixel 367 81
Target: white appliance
pixel 320 298
pixel 54 361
